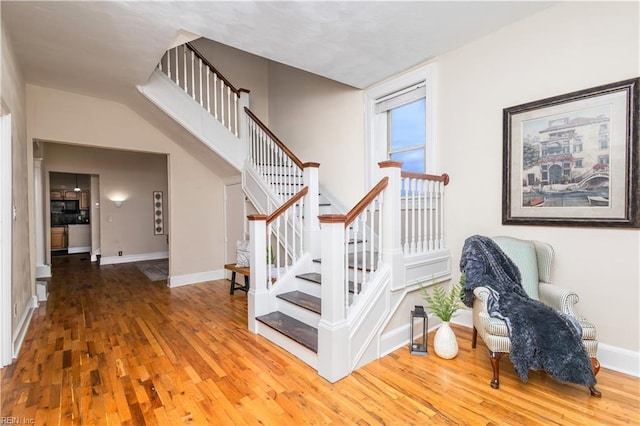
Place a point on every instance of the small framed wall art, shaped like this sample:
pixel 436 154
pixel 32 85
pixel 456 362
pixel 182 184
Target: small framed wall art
pixel 158 213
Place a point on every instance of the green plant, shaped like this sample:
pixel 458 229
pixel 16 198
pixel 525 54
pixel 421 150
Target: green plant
pixel 271 256
pixel 443 304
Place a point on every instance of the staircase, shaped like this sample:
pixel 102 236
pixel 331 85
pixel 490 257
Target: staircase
pixel 339 277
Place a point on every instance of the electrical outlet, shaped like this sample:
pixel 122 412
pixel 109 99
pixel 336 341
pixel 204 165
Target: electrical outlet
pixel 119 253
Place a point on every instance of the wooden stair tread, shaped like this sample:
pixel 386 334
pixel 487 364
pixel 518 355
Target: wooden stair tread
pixel 304 300
pixel 317 278
pixel 296 330
pixel 352 264
pixel 314 277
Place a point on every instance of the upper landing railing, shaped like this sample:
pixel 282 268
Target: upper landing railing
pixel 204 83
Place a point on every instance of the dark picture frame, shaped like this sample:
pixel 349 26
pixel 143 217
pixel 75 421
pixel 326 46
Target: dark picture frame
pixel 573 159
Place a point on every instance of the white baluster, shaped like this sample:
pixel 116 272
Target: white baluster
pixel 419 214
pixel 215 95
pixel 168 55
pixel 193 76
pixel 380 222
pixel 200 80
pixel 431 221
pixel 208 92
pixel 405 185
pixel 345 282
pixel 235 114
pixel 177 68
pixel 184 63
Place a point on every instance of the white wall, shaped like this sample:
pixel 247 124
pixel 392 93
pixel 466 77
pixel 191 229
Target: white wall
pixel 195 192
pixel 321 121
pixel 568 47
pixel 12 96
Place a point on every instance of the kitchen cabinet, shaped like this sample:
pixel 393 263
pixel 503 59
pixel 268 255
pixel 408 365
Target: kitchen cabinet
pixel 84 200
pixel 66 194
pixel 70 195
pixel 58 237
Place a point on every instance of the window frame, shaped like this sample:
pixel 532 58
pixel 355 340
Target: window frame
pixel 376 125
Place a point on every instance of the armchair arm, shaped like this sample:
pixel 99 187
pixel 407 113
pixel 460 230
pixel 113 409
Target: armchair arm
pixel 482 294
pixel 558 298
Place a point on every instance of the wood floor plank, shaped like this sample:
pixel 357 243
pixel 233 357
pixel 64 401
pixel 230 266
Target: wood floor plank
pixel 110 347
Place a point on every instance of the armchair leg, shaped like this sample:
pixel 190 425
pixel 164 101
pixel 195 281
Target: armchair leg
pixel 596 365
pixel 495 365
pixel 474 338
pixel 595 392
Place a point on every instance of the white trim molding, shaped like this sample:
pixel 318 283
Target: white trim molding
pixel 196 278
pixel 376 128
pixel 6 227
pixel 110 260
pixel 23 325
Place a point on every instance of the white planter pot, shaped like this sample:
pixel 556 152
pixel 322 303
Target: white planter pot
pixel 445 344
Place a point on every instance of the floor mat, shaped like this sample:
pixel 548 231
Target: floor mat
pixel 155 270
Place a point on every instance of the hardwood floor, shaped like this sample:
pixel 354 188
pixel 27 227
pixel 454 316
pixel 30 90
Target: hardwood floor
pixel 111 347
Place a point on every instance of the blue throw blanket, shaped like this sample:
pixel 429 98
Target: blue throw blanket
pixel 541 337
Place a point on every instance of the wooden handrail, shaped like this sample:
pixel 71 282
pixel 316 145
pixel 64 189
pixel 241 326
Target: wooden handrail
pixel 442 178
pixel 288 204
pixel 222 77
pixel 275 138
pixel 366 200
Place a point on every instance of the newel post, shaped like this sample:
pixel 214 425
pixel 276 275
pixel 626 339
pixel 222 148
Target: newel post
pixel 391 226
pixel 334 360
pixel 312 210
pixel 257 298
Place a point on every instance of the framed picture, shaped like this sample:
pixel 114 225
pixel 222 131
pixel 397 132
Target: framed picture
pixel 573 160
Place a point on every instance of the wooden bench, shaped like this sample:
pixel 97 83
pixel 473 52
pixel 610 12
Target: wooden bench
pixel 240 270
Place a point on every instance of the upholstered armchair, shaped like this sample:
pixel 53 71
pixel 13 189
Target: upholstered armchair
pixel 534 260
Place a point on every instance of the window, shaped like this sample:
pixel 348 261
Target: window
pixel 400 123
pixel 406 138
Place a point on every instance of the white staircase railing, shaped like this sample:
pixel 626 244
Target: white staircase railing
pixel 204 83
pixel 276 165
pixel 422 212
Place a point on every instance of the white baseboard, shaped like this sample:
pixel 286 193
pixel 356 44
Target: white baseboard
pixel 43 271
pixel 198 277
pixel 133 258
pixel 23 325
pixel 619 359
pixel 73 250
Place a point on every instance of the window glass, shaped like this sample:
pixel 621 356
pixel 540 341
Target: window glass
pixel 407 135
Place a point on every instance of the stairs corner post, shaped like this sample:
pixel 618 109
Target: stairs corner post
pixel 311 210
pixel 391 226
pixel 257 297
pixel 334 361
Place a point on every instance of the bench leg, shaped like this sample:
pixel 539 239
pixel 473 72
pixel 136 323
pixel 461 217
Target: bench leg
pixel 233 282
pixel 246 283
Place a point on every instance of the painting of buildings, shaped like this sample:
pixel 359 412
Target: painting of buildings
pixel 566 159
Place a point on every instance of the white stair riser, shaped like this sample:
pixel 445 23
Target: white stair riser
pixel 301 314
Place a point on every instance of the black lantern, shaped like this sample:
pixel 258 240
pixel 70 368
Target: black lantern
pixel 419 347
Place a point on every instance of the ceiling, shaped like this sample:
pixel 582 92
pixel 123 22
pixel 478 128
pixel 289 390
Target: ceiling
pixel 105 49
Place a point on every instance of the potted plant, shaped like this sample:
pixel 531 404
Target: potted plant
pixel 444 305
